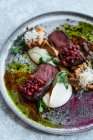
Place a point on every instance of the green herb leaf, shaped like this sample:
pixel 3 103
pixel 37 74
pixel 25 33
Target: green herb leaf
pixel 62 78
pixel 44 60
pixel 89 59
pixel 16 49
pixel 20 40
pixel 42 106
pixel 56 61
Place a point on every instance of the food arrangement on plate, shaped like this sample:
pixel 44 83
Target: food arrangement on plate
pixel 46 72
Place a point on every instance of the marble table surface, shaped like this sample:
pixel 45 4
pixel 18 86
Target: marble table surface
pixel 12 14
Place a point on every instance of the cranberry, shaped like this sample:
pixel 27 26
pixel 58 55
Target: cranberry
pixel 71 56
pixel 29 93
pixel 28 86
pixel 77 58
pixel 39 89
pixel 63 53
pixel 35 82
pixel 64 63
pixel 35 87
pixel 67 58
pixel 30 76
pixel 87 61
pixel 20 88
pixel 32 86
pixel 24 89
pixel 77 47
pixel 32 90
pixel 90 53
pixel 72 61
pixel 70 47
pixel 85 47
pixel 30 82
pixel 73 53
pixel 65 49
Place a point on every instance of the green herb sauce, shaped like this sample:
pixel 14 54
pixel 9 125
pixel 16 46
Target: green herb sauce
pixel 21 67
pixel 14 96
pixel 16 74
pixel 81 29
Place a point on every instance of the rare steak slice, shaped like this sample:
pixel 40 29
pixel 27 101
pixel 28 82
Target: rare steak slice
pixel 69 54
pixel 39 83
pixel 59 40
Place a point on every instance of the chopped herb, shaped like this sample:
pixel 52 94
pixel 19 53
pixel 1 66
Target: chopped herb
pixel 62 78
pixel 42 106
pixel 55 61
pixel 47 60
pixel 44 60
pixel 89 59
pixel 18 44
pixel 20 40
pixel 16 49
pixel 21 67
pixel 81 29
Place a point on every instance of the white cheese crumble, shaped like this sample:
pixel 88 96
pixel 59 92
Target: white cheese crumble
pixel 85 76
pixel 33 35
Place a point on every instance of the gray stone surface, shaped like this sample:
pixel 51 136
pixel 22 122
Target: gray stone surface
pixel 12 14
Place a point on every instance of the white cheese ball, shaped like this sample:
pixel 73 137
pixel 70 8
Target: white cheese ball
pixel 59 95
pixel 36 53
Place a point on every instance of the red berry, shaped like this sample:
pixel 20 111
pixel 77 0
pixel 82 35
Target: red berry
pixel 39 89
pixel 28 85
pixel 77 58
pixel 73 53
pixel 35 81
pixel 29 93
pixel 30 76
pixel 40 81
pixel 35 87
pixel 70 47
pixel 20 88
pixel 77 47
pixel 65 49
pixel 87 61
pixel 85 47
pixel 90 53
pixel 67 54
pixel 67 58
pixel 73 47
pixel 24 90
pixel 64 63
pixel 30 82
pixel 32 90
pixel 36 84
